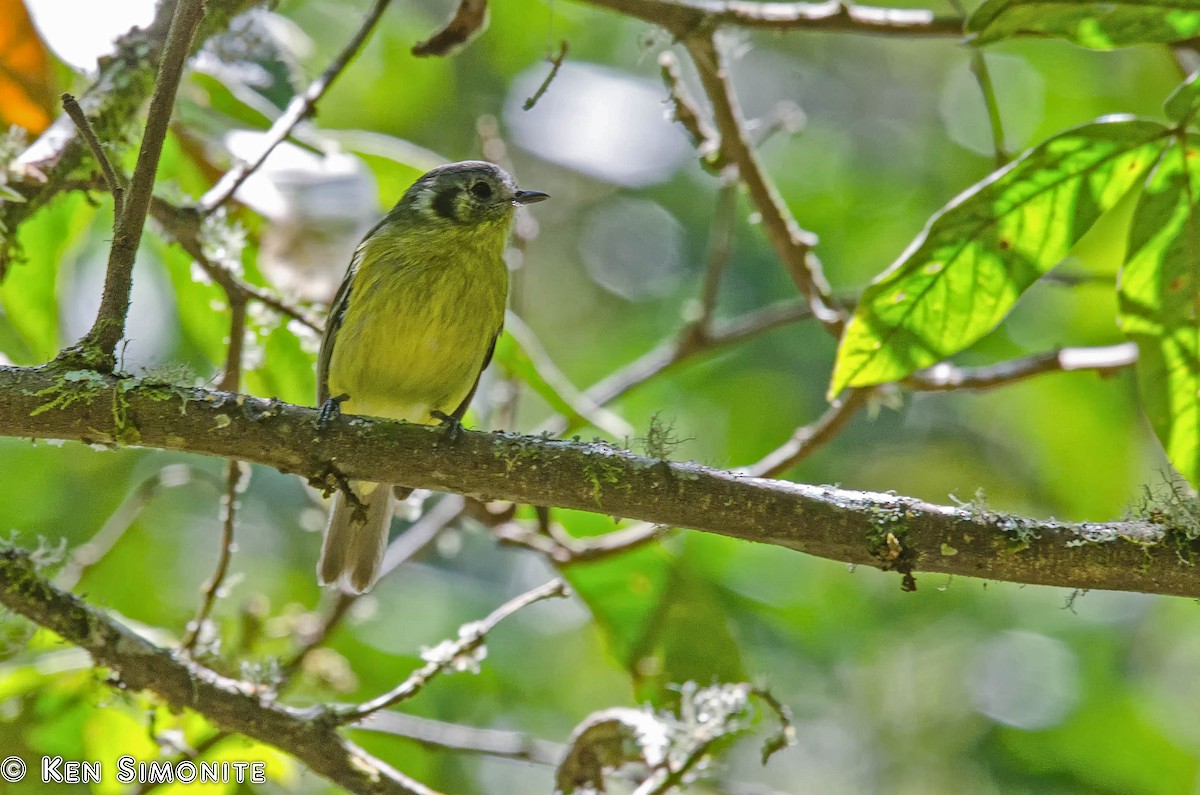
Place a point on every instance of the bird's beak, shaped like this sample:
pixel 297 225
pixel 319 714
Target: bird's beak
pixel 529 197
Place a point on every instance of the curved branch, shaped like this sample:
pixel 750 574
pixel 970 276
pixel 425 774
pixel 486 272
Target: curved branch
pixel 297 110
pixel 98 346
pixel 56 160
pixel 880 530
pixel 683 17
pixel 793 244
pixel 233 705
pixel 946 377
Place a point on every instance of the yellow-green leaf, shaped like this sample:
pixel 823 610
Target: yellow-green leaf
pixel 1160 303
pixel 976 257
pixel 1088 23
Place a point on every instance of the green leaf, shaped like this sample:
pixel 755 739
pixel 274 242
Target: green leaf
pixel 621 591
pixel 665 622
pixel 521 355
pixel 1184 99
pixel 278 366
pixel 112 733
pixel 1088 23
pixel 976 257
pixel 200 306
pixel 1160 302
pixel 28 293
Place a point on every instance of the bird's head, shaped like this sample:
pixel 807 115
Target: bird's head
pixel 470 193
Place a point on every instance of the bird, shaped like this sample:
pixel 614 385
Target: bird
pixel 409 333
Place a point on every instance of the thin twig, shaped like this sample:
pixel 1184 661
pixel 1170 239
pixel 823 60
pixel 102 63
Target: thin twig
pixel 183 225
pixel 567 551
pixel 808 438
pixel 467 739
pixel 406 546
pixel 470 639
pixel 119 521
pixel 983 77
pixel 231 378
pixel 468 22
pixel 705 138
pixel 135 663
pixel 786 734
pixel 720 247
pixel 98 346
pixel 792 243
pixel 669 353
pixel 666 778
pixel 556 62
pixel 297 110
pixel 111 178
pixel 685 17
pixel 945 377
pixel 235 474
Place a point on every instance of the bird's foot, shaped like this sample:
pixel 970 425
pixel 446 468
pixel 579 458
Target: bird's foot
pixel 451 427
pixel 331 409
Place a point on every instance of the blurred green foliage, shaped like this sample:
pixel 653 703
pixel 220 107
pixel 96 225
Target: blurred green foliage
pixel 961 686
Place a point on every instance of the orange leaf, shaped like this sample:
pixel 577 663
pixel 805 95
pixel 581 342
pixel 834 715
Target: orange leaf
pixel 27 84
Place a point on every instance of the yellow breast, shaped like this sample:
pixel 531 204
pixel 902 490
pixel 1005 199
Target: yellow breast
pixel 420 320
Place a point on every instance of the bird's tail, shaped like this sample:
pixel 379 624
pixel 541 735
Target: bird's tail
pixel 354 545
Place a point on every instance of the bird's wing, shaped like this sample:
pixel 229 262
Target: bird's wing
pixel 337 310
pixel 462 407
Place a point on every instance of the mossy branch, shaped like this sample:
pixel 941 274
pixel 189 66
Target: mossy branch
pixel 233 705
pixel 59 159
pixel 881 530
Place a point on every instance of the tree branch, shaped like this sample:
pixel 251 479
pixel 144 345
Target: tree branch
pixel 684 17
pixel 111 178
pixel 98 345
pixel 946 377
pixel 565 550
pixel 450 654
pixel 791 243
pixel 682 347
pixel 809 437
pixel 228 703
pixel 56 160
pixel 297 110
pixel 881 530
pixel 183 225
pixel 466 739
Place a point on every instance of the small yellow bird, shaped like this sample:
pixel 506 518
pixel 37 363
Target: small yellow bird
pixel 410 331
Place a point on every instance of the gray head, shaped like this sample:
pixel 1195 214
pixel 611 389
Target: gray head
pixel 471 192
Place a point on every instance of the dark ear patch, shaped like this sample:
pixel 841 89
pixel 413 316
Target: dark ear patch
pixel 444 204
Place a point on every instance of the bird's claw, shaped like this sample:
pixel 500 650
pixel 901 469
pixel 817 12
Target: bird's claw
pixel 331 409
pixel 451 426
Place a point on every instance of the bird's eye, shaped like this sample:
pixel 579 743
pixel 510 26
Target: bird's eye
pixel 481 190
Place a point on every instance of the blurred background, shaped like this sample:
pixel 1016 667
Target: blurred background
pixel 961 686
